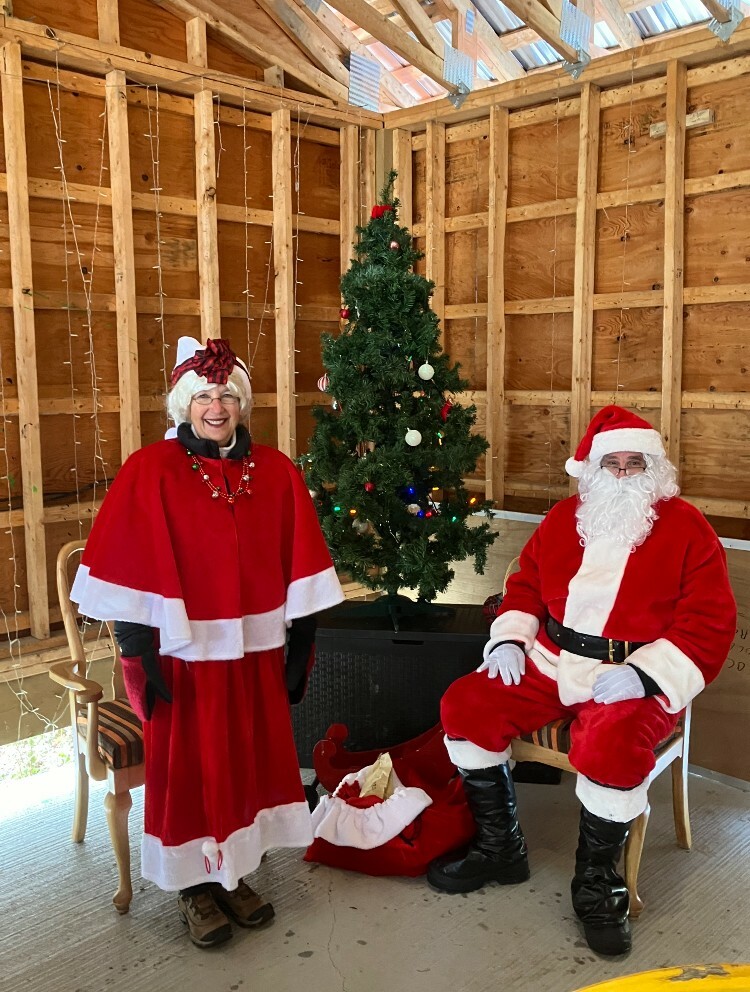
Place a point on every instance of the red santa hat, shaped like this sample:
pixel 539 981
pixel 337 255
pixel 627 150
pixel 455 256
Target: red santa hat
pixel 614 429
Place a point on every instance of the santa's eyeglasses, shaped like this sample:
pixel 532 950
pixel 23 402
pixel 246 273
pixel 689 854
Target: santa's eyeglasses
pixel 206 399
pixel 633 466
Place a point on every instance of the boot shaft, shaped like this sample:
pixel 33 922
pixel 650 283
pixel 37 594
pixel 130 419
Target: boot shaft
pixel 491 796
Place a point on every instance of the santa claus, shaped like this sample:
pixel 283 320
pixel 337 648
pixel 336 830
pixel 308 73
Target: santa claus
pixel 620 614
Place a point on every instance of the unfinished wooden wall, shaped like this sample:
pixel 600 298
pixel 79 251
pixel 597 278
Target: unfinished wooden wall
pixel 135 207
pixel 580 261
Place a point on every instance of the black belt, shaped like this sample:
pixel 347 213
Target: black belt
pixel 590 646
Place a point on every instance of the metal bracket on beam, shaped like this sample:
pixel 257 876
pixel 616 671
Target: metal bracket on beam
pixel 458 98
pixel 574 69
pixel 725 29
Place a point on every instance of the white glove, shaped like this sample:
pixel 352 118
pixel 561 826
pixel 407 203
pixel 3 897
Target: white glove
pixel 506 660
pixel 618 683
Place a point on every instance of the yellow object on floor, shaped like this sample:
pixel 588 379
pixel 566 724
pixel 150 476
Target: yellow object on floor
pixel 698 977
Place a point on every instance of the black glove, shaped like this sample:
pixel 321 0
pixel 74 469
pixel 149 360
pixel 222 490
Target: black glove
pixel 300 640
pixel 136 640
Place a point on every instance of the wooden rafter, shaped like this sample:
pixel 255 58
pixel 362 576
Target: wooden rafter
pixel 416 17
pixel 340 33
pixel 535 15
pixel 619 23
pixel 299 25
pixel 399 41
pixel 717 11
pixel 242 39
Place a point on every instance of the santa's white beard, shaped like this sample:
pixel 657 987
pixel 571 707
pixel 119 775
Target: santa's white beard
pixel 622 509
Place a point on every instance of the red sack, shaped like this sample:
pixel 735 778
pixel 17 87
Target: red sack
pixel 400 835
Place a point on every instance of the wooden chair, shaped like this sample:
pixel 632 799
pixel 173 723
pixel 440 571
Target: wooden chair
pixel 549 746
pixel 107 736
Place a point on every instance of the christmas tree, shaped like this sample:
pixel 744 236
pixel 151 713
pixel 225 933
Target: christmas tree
pixel 387 459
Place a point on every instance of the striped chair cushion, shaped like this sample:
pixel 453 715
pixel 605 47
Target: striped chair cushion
pixel 120 734
pixel 556 736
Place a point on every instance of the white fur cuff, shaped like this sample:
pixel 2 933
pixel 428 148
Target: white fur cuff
pixel 616 805
pixel 464 754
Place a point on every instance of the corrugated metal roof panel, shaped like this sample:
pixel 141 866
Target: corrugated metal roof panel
pixel 536 55
pixel 668 16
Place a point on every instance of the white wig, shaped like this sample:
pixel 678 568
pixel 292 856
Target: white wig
pixel 181 394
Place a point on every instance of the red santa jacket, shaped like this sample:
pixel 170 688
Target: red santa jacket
pixel 217 580
pixel 673 591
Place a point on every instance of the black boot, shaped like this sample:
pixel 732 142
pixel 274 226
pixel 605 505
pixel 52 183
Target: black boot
pixel 498 851
pixel 600 897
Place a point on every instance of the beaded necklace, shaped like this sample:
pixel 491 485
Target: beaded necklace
pixel 216 492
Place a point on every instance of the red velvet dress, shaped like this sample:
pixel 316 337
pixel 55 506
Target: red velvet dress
pixel 219 582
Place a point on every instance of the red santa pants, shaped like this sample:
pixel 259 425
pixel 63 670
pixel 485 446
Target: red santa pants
pixel 611 744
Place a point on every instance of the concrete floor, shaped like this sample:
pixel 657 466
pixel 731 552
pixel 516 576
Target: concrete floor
pixel 342 932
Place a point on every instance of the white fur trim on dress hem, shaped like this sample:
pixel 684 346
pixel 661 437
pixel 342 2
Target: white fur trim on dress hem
pixel 175 868
pixel 464 754
pixel 515 625
pixel 616 805
pixel 343 825
pixel 679 678
pixel 313 593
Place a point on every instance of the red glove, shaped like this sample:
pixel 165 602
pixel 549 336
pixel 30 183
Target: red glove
pixel 135 679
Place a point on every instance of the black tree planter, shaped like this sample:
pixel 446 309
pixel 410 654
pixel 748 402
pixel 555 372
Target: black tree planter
pixel 385 686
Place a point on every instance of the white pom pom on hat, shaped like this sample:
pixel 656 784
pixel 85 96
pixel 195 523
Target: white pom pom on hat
pixel 614 429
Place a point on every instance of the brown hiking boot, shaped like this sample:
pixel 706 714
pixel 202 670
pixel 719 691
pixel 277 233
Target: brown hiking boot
pixel 243 905
pixel 207 924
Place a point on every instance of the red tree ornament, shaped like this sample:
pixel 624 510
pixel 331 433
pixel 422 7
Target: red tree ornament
pixel 446 409
pixel 369 487
pixel 379 209
pixel 323 383
pixel 344 313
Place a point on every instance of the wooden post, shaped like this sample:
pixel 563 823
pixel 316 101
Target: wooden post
pixel 496 337
pixel 109 22
pixel 349 193
pixel 283 258
pixel 583 277
pixel 25 339
pixel 205 196
pixel 674 216
pixel 124 251
pixel 403 166
pixel 367 183
pixel 435 226
pixel 197 42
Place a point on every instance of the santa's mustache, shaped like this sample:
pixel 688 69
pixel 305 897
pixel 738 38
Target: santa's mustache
pixel 621 509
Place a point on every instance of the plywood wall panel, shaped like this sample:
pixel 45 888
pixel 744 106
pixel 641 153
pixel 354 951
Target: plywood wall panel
pixel 543 162
pixel 538 352
pixel 13 590
pixel 717 238
pixel 263 425
pixel 237 182
pixel 178 255
pixel 629 248
pixel 308 334
pixel 224 59
pixel 238 269
pixel 536 445
pixel 150 28
pixel 466 177
pixel 61 335
pixel 153 334
pixel 79 17
pixel 713 456
pixel 627 349
pixel 172 146
pixel 318 269
pixel 63 459
pixel 63 244
pixel 722 146
pixel 628 156
pixel 466 283
pixel 255 341
pixel 539 257
pixel 716 348
pixel 318 177
pixel 466 343
pixel 81 126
